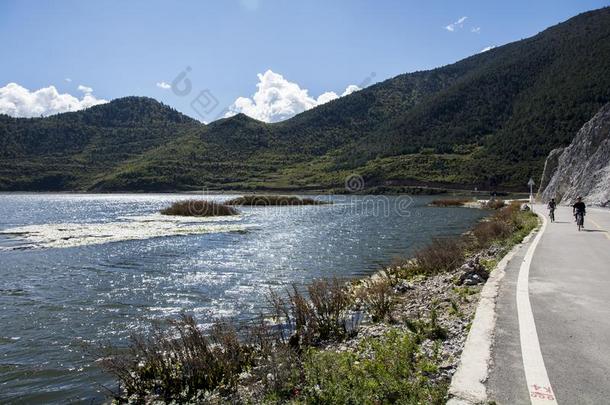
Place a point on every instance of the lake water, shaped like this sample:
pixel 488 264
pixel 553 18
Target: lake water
pixel 95 268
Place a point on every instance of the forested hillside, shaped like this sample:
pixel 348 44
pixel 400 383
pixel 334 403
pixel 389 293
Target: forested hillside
pixel 487 121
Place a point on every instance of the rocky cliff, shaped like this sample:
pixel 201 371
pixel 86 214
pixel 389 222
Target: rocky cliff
pixel 583 168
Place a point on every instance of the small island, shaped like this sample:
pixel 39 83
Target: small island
pixel 199 208
pixel 450 202
pixel 273 200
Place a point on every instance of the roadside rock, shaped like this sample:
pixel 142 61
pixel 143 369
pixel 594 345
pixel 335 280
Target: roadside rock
pixel 583 168
pixel 473 272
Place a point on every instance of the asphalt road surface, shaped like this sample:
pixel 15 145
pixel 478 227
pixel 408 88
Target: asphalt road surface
pixel 569 297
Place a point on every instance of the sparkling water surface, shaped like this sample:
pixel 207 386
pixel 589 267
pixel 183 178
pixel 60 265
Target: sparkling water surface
pixel 80 269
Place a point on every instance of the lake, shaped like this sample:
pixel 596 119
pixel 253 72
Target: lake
pixel 85 268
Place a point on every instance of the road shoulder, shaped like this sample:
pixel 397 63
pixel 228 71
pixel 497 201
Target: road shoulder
pixel 468 385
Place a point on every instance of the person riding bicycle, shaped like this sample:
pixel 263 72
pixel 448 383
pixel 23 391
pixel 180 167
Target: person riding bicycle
pixel 551 206
pixel 579 208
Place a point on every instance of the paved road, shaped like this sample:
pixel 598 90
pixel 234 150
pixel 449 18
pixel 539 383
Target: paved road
pixel 569 292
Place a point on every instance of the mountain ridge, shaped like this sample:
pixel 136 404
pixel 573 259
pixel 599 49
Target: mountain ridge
pixel 487 121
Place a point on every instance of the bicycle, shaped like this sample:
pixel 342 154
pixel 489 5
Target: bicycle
pixel 580 220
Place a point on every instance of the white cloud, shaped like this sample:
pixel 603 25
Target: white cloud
pixel 487 48
pixel 456 25
pixel 278 99
pixel 18 101
pixel 476 30
pixel 164 85
pixel 85 89
pixel 68 79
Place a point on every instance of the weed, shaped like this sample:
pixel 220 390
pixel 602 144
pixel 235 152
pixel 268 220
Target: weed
pixel 178 362
pixel 440 255
pixel 378 298
pixel 199 208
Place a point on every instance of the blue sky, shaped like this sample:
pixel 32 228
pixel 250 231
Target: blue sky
pixel 121 48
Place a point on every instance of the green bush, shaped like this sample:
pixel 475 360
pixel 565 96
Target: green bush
pixel 392 371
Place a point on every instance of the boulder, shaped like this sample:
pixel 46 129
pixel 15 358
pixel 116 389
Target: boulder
pixel 473 272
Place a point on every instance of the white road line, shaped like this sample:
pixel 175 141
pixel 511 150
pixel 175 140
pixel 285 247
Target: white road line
pixel 538 384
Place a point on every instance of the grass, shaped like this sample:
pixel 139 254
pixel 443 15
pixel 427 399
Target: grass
pixel 450 202
pixel 393 371
pixel 199 208
pixel 273 200
pixel 428 329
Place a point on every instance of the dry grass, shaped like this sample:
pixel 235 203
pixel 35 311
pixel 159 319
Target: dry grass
pixel 322 314
pixel 273 200
pixel 450 202
pixel 179 361
pixel 501 225
pixel 442 254
pixel 378 298
pixel 485 233
pixel 199 208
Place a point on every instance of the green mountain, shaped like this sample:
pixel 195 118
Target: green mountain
pixel 487 121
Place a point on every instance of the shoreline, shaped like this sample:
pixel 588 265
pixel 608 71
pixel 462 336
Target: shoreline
pixel 433 311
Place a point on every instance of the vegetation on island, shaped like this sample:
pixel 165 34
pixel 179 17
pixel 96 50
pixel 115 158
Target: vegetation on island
pixel 315 345
pixel 487 121
pixel 199 208
pixel 450 202
pixel 262 200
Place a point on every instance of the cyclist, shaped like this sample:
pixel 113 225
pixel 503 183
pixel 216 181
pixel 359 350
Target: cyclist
pixel 551 206
pixel 579 210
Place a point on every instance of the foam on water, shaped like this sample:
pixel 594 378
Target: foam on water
pixel 127 228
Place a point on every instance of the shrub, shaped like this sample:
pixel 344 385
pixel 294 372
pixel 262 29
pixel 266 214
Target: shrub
pixel 322 315
pixel 179 362
pixel 378 298
pixel 273 200
pixel 199 208
pixel 428 329
pixel 450 202
pixel 507 223
pixel 442 254
pixel 331 301
pixel 393 371
pixel 487 232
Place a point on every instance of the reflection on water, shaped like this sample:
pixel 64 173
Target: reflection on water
pixel 93 268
